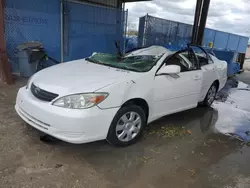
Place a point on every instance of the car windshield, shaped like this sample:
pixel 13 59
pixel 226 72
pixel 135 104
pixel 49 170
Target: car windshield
pixel 138 63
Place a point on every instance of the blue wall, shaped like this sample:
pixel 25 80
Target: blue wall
pixel 32 20
pixel 162 32
pixel 220 40
pixel 233 42
pixel 242 46
pixel 92 29
pixel 209 35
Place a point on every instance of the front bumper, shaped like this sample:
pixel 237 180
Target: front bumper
pixel 70 125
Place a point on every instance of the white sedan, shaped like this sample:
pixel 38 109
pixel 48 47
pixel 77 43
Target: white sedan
pixel 114 98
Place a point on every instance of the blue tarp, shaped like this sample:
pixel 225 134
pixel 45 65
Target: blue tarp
pixel 131 43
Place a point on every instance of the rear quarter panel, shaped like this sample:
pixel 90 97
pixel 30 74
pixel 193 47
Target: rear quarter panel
pixel 220 74
pixel 221 70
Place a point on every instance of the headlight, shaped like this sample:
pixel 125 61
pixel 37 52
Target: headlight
pixel 80 101
pixel 28 83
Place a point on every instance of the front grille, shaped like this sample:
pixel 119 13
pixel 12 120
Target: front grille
pixel 42 94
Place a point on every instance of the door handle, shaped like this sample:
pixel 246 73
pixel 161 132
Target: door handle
pixel 197 77
pixel 207 69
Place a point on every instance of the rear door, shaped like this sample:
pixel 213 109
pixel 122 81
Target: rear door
pixel 208 68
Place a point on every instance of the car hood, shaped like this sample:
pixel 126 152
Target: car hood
pixel 78 76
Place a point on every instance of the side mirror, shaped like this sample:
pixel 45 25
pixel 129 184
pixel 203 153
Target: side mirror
pixel 169 69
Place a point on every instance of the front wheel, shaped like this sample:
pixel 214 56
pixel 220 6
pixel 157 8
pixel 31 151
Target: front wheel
pixel 211 94
pixel 127 126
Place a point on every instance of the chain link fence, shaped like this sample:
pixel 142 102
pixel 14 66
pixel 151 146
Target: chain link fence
pixel 158 31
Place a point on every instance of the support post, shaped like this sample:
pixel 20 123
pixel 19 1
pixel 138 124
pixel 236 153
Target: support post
pixel 203 21
pixel 197 17
pixel 62 31
pixel 5 72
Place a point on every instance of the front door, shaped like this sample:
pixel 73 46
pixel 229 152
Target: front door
pixel 174 93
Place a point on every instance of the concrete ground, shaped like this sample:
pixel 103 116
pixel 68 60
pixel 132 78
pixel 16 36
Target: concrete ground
pixel 177 151
pixel 244 77
pixel 246 65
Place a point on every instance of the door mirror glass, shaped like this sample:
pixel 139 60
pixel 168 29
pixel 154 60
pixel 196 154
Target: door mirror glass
pixel 169 69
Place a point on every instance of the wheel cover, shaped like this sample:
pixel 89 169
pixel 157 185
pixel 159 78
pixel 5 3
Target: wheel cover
pixel 211 95
pixel 128 126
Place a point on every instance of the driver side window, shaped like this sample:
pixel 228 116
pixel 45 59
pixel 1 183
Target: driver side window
pixel 184 59
pixel 178 60
pixel 202 60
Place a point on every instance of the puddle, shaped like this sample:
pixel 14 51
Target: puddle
pixel 233 106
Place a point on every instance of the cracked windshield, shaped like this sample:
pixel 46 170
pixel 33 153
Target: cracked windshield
pixel 138 63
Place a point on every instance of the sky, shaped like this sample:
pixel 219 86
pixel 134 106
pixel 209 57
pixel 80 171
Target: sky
pixel 225 15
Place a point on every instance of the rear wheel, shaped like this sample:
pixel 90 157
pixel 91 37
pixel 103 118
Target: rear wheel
pixel 127 126
pixel 211 94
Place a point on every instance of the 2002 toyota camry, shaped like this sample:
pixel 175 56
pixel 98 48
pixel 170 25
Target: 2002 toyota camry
pixel 114 98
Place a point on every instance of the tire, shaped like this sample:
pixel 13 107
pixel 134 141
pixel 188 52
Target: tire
pixel 127 126
pixel 211 94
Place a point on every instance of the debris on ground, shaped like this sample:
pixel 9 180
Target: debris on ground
pixel 58 165
pixel 145 159
pixel 168 132
pixel 3 95
pixel 193 172
pixel 205 144
pixel 176 157
pixel 155 151
pixel 211 141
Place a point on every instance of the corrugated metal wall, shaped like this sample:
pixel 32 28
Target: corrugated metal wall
pixel 220 40
pixel 106 2
pixel 163 32
pixel 92 29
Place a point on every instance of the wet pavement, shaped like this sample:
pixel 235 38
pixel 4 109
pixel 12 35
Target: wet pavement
pixel 233 99
pixel 202 147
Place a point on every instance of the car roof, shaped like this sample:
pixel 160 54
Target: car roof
pixel 152 50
